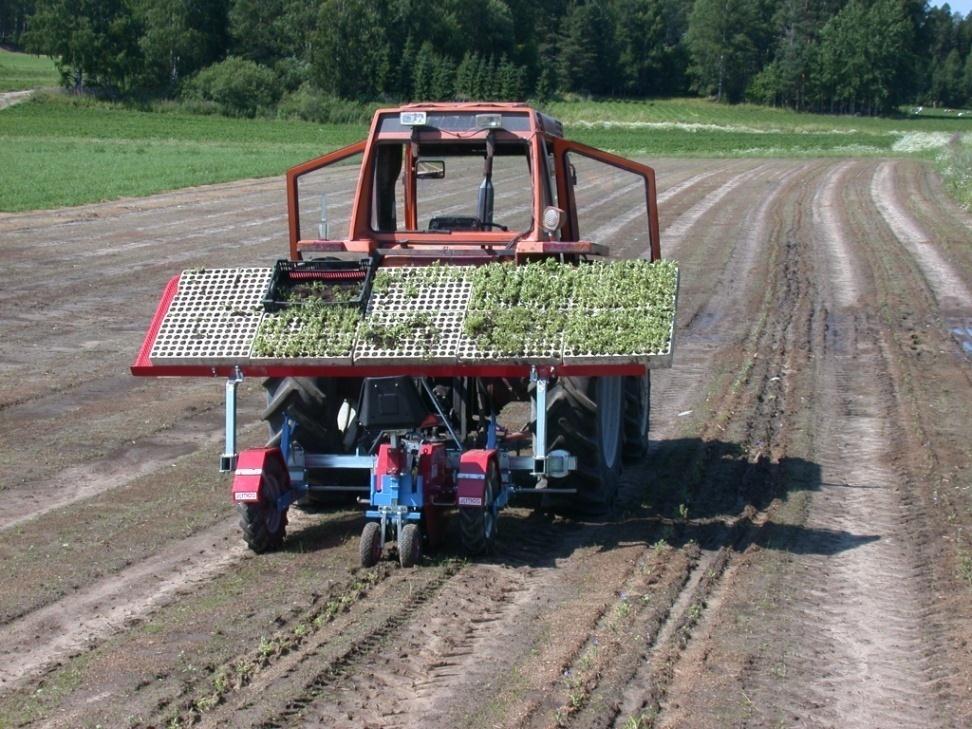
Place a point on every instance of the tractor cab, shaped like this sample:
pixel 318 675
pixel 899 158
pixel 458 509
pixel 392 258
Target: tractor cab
pixel 476 180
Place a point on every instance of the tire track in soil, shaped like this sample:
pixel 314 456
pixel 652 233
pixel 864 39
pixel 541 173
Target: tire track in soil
pixel 367 614
pixel 117 600
pixel 480 623
pixel 442 654
pixel 675 232
pixel 602 668
pixel 35 641
pixel 121 611
pixel 755 407
pixel 948 287
pixel 857 631
pixel 877 607
pixel 862 608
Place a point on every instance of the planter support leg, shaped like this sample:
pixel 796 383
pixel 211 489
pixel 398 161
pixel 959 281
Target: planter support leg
pixel 227 461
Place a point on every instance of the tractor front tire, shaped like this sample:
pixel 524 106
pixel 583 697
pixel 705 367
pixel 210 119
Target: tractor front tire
pixel 409 545
pixel 369 549
pixel 477 524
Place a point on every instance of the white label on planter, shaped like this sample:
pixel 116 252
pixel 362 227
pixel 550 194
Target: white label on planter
pixel 245 495
pixel 470 501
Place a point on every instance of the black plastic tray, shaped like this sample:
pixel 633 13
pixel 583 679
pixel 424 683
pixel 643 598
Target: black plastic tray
pixel 287 275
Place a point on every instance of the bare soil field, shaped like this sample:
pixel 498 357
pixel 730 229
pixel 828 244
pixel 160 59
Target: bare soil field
pixel 795 550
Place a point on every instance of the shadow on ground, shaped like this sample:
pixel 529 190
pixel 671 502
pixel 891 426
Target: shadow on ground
pixel 685 490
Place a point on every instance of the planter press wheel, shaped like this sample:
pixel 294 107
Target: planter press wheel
pixel 585 416
pixel 477 524
pixel 369 549
pixel 637 410
pixel 409 545
pixel 263 524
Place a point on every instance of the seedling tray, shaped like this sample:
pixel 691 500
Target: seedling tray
pixel 419 316
pixel 331 282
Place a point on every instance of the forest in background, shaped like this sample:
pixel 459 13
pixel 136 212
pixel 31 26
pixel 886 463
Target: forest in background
pixel 307 58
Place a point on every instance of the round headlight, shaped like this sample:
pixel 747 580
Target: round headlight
pixel 551 219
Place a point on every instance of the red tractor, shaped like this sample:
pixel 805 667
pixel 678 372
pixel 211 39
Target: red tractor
pixel 377 386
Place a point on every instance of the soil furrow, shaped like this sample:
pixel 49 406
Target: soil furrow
pixel 790 553
pixel 77 621
pixel 948 286
pixel 750 414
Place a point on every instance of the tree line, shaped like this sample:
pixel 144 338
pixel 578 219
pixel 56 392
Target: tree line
pixel 850 56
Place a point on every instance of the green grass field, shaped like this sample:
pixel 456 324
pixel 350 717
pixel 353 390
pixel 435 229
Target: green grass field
pixel 58 150
pixel 20 71
pixel 697 127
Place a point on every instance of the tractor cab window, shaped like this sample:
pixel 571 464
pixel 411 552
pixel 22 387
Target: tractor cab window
pixel 610 203
pixel 458 186
pixel 324 198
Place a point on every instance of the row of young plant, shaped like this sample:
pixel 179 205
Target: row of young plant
pixel 603 308
pixel 535 309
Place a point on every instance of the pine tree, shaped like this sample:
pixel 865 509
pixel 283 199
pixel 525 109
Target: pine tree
pixel 172 47
pixel 967 80
pixel 351 55
pixel 423 74
pixel 466 76
pixel 443 78
pixel 722 48
pixel 587 54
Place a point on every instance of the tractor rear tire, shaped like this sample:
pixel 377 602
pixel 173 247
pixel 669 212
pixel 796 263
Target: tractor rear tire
pixel 305 400
pixel 409 545
pixel 264 525
pixel 477 524
pixel 585 416
pixel 637 412
pixel 313 405
pixel 369 549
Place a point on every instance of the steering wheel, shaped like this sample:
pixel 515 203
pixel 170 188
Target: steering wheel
pixel 493 225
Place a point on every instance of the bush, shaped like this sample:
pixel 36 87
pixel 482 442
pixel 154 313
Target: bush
pixel 310 104
pixel 291 72
pixel 237 86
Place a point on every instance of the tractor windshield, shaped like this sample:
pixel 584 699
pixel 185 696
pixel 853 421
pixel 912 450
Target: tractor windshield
pixel 459 185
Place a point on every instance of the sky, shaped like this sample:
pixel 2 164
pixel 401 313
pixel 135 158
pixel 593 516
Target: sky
pixel 957 6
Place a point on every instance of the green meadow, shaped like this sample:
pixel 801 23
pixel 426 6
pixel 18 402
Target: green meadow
pixel 57 150
pixel 20 71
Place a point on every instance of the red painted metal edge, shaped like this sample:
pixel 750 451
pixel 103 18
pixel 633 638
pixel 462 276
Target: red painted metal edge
pixel 471 479
pixel 148 370
pixel 249 481
pixel 142 361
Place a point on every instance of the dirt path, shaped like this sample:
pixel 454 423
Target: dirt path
pixel 9 98
pixel 793 551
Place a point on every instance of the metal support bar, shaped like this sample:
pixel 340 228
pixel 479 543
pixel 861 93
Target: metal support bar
pixel 540 437
pixel 334 460
pixel 227 461
pixel 543 491
pixel 315 489
pixel 438 409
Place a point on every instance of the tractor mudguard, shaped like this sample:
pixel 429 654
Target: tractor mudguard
pixel 471 478
pixel 253 467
